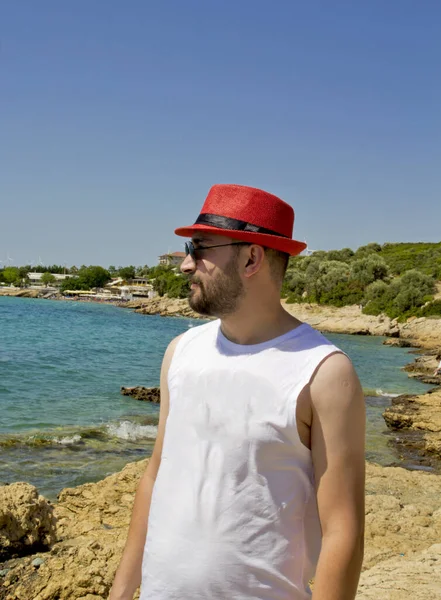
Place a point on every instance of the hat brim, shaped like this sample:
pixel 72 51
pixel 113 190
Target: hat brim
pixel 291 247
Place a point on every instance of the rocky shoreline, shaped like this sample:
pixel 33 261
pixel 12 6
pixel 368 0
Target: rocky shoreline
pixel 82 536
pixel 417 333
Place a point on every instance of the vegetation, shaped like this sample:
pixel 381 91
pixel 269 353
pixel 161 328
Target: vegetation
pixel 395 279
pixel 47 278
pixel 10 275
pixel 127 272
pixel 166 280
pixel 87 278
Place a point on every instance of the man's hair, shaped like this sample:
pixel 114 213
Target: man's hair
pixel 278 262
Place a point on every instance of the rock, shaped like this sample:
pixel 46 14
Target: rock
pixel 403 513
pixel 20 292
pixel 403 527
pixel 82 564
pixel 168 307
pixel 27 521
pixel 37 562
pixel 142 393
pixel 416 576
pixel 426 331
pixel 399 343
pixel 348 319
pixel 423 365
pixel 430 380
pixel 421 417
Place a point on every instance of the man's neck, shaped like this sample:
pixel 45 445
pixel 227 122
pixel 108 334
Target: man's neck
pixel 256 324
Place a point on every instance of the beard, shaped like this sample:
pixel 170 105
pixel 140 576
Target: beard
pixel 221 296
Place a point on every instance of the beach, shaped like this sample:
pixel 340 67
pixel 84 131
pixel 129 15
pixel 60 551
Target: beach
pixel 70 548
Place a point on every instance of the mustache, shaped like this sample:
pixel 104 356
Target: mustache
pixel 194 280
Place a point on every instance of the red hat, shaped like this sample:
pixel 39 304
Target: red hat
pixel 247 214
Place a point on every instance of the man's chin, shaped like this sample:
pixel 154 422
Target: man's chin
pixel 198 307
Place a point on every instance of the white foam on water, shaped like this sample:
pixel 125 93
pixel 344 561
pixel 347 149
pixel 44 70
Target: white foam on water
pixel 67 441
pixel 386 394
pixel 127 430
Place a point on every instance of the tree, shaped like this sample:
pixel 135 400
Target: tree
pixel 294 286
pixel 72 283
pixel 402 297
pixel 166 281
pixel 331 273
pixel 369 269
pixel 127 272
pixel 371 248
pixel 143 271
pixel 11 275
pixel 93 276
pixel 48 279
pixel 344 255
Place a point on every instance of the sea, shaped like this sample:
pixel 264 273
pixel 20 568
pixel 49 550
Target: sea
pixel 63 420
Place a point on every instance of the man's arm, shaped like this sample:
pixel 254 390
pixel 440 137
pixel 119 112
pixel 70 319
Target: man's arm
pixel 338 454
pixel 128 575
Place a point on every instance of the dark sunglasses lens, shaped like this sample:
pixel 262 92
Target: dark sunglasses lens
pixel 189 250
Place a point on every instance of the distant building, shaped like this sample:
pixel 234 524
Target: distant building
pixel 139 286
pixel 139 281
pixel 126 293
pixel 172 260
pixel 35 279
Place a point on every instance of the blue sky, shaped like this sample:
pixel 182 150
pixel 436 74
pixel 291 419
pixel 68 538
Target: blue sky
pixel 117 117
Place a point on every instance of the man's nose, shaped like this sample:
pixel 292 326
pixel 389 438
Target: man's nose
pixel 188 265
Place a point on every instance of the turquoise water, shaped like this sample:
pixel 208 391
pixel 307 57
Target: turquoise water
pixel 63 420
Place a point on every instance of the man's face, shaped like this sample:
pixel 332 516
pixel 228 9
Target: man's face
pixel 216 286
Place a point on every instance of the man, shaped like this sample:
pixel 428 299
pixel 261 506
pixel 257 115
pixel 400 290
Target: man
pixel 256 481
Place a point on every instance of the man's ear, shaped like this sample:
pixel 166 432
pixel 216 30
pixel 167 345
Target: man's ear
pixel 256 256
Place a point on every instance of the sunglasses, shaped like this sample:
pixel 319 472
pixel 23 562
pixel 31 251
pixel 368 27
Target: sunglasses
pixel 196 253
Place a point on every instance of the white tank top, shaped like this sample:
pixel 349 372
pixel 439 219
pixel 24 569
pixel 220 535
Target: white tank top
pixel 233 512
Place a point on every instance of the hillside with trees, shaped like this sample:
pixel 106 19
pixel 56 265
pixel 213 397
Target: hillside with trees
pixel 398 280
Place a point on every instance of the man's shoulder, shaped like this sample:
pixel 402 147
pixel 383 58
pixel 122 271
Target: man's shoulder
pixel 193 334
pixel 335 381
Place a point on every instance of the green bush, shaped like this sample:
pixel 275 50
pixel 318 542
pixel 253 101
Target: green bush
pixel 294 284
pixel 369 269
pixel 11 275
pixel 48 278
pixel 432 309
pixel 402 297
pixel 344 255
pixel 426 257
pixel 167 281
pixel 343 293
pixel 87 278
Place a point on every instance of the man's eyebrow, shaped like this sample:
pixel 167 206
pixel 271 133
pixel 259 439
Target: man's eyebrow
pixel 198 239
